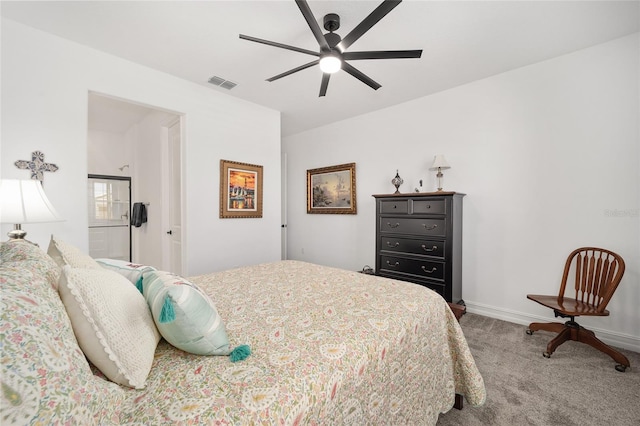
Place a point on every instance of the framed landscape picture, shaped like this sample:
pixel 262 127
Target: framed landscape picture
pixel 240 190
pixel 332 190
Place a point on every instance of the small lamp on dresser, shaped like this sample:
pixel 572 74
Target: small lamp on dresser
pixel 24 201
pixel 439 164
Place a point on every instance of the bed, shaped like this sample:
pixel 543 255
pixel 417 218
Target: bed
pixel 328 346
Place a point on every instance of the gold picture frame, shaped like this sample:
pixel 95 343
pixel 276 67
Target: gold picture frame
pixel 240 190
pixel 332 190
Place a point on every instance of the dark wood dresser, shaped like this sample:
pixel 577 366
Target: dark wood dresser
pixel 419 239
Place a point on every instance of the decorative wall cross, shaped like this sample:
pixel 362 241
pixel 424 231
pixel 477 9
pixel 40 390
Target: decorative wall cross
pixel 36 165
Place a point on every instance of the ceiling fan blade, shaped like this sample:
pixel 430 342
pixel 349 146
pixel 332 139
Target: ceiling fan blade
pixel 300 68
pixel 280 45
pixel 368 22
pixel 382 54
pixel 324 84
pixel 360 76
pixel 313 24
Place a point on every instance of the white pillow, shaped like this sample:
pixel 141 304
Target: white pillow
pixel 67 254
pixel 112 323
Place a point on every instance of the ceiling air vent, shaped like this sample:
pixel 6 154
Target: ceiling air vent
pixel 219 81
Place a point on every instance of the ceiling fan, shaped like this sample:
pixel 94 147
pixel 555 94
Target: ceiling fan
pixel 333 54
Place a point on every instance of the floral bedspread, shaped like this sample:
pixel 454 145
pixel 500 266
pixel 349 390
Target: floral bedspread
pixel 328 347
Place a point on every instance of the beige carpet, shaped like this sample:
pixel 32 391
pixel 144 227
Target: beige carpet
pixel 577 386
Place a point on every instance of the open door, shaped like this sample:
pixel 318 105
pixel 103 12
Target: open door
pixel 173 246
pixel 283 233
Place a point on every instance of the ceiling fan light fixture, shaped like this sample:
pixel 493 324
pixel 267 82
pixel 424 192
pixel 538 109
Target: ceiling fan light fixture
pixel 330 63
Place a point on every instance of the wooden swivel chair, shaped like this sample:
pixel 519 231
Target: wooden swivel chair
pixel 597 274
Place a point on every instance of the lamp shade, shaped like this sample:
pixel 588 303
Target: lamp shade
pixel 439 162
pixel 24 201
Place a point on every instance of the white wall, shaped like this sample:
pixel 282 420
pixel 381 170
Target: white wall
pixel 106 152
pixel 45 87
pixel 544 153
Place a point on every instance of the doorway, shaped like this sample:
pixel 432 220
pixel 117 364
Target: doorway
pixel 109 204
pixel 131 140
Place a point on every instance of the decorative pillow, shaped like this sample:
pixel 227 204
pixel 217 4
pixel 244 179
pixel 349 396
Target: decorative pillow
pixel 131 271
pixel 112 323
pixel 185 316
pixel 67 254
pixel 29 256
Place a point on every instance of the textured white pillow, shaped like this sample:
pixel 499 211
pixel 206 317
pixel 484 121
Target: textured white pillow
pixel 112 323
pixel 67 254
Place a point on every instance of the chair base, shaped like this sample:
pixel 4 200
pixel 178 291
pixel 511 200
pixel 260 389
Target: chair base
pixel 571 330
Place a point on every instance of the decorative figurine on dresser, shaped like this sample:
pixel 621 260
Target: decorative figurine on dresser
pixel 419 239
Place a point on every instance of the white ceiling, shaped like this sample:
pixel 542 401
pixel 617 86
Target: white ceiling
pixel 462 41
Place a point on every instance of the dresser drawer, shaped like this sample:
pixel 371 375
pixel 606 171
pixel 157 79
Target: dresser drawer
pixel 413 226
pixel 438 287
pixel 417 268
pixel 393 206
pixel 429 207
pixel 406 245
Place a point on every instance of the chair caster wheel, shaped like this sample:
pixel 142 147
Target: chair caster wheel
pixel 529 332
pixel 546 354
pixel 621 368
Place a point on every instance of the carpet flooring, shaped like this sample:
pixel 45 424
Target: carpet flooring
pixel 577 386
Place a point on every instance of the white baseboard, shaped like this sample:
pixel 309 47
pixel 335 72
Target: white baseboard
pixel 612 338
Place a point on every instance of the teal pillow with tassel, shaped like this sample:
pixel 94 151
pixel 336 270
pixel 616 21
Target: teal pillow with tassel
pixel 187 317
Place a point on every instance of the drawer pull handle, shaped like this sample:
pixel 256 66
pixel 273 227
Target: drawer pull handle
pixel 393 225
pixel 394 245
pixel 430 228
pixel 394 265
pixel 429 272
pixel 434 248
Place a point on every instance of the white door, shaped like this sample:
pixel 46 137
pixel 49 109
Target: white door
pixel 283 186
pixel 175 199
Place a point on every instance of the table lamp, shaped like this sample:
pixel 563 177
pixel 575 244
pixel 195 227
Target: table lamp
pixel 24 201
pixel 439 164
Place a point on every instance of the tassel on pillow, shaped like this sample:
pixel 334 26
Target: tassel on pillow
pixel 167 314
pixel 240 353
pixel 139 285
